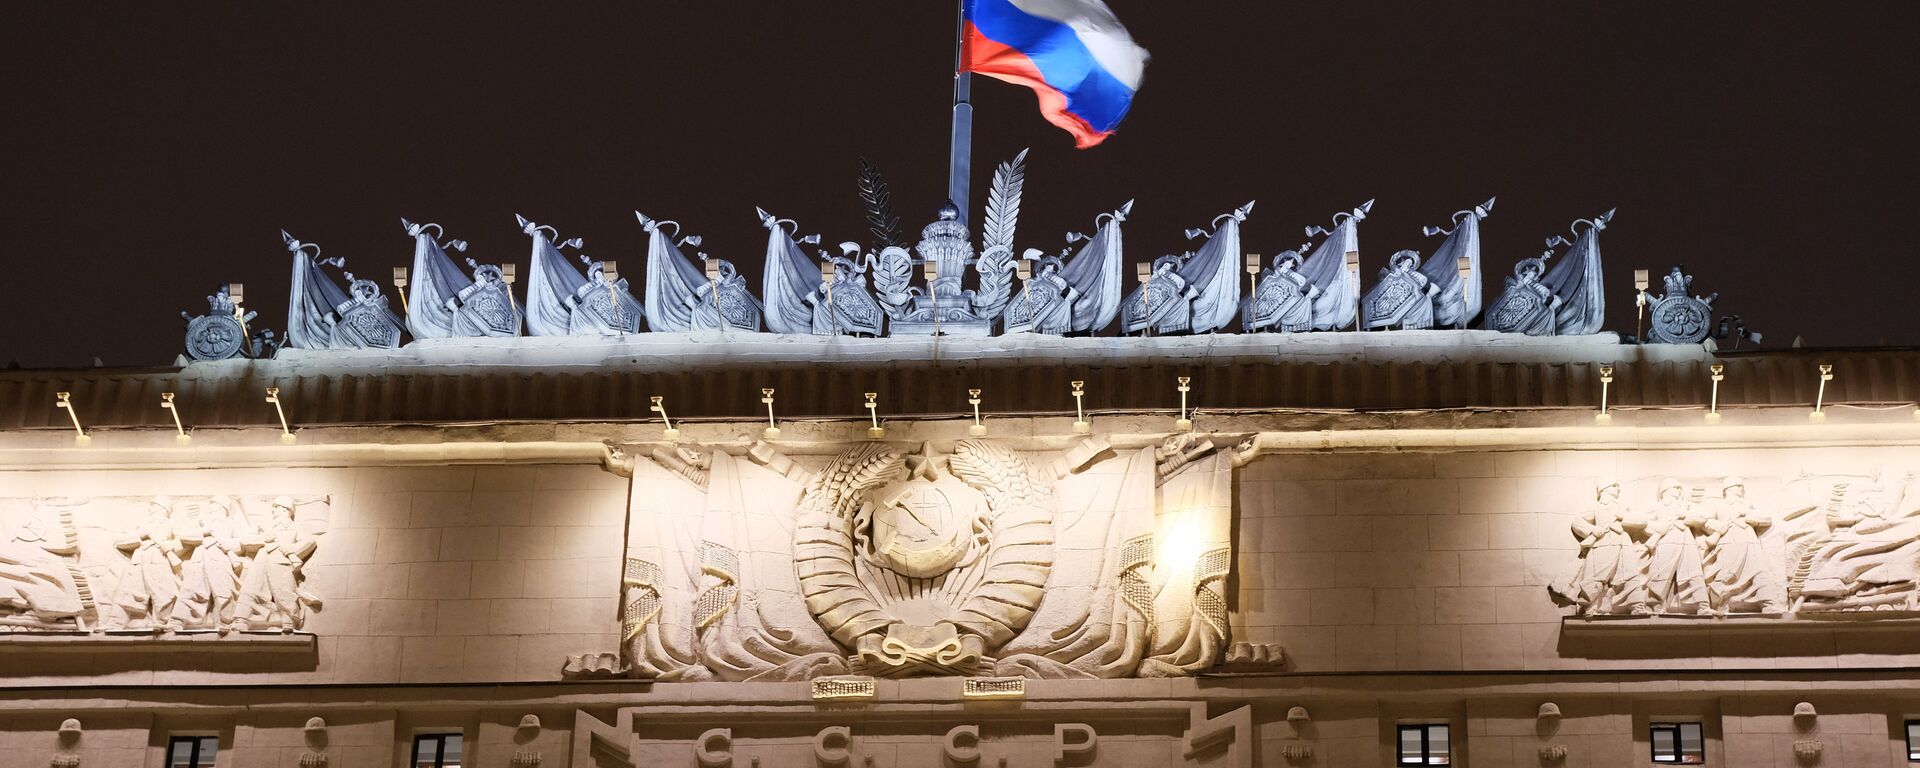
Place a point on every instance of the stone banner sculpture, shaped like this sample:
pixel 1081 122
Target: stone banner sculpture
pixel 1336 303
pixel 444 302
pixel 980 560
pixel 1455 268
pixel 1566 300
pixel 157 564
pixel 1194 292
pixel 1843 544
pixel 563 302
pixel 1077 293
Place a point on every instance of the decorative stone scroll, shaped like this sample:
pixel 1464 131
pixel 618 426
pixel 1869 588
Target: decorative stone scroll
pixel 1704 548
pixel 157 564
pixel 975 561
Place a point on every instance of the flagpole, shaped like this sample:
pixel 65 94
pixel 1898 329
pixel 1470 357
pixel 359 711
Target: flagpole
pixel 960 154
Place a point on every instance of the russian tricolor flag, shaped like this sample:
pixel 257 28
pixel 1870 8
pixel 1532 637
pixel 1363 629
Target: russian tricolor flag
pixel 1073 54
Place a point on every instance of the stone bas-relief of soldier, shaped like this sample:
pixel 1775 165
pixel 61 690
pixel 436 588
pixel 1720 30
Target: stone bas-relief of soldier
pixel 1706 549
pixel 158 564
pixel 893 562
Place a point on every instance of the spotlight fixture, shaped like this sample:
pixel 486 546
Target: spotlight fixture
pixel 660 407
pixel 1640 283
pixel 1713 404
pixel 827 271
pixel 1606 378
pixel 400 287
pixel 772 432
pixel 931 269
pixel 1253 273
pixel 1184 424
pixel 610 272
pixel 873 413
pixel 180 431
pixel 506 276
pixel 286 433
pixel 1820 396
pixel 65 400
pixel 713 290
pixel 978 429
pixel 1081 427
pixel 237 292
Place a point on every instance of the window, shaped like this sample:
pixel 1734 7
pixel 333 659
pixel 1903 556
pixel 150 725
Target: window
pixel 1425 744
pixel 1913 741
pixel 1678 743
pixel 436 750
pixel 192 751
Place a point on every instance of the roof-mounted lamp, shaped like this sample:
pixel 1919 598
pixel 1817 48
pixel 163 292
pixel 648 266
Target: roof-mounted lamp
pixel 180 430
pixel 1713 403
pixel 1253 273
pixel 1640 283
pixel 1819 416
pixel 610 272
pixel 1080 425
pixel 507 276
pixel 286 433
pixel 931 269
pixel 659 406
pixel 65 400
pixel 400 287
pixel 236 292
pixel 713 289
pixel 873 414
pixel 772 432
pixel 828 270
pixel 978 429
pixel 1604 418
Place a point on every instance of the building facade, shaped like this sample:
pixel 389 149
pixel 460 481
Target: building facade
pixel 1336 550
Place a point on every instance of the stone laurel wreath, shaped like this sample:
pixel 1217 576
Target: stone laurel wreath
pixel 1015 574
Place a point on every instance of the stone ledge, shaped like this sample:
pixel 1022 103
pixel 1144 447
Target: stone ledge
pixel 1848 622
pixel 192 642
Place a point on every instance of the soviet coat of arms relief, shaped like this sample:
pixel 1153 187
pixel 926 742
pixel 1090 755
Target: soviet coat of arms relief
pixel 890 560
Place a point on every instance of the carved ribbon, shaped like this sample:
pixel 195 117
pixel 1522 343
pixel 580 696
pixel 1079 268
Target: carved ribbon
pixel 643 578
pixel 1209 596
pixel 712 603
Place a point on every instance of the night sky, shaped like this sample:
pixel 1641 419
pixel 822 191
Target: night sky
pixel 155 151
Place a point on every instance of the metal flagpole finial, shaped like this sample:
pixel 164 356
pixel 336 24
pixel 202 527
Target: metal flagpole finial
pixel 1820 397
pixel 772 432
pixel 1606 378
pixel 1184 424
pixel 978 429
pixel 180 430
pixel 660 407
pixel 873 413
pixel 1080 425
pixel 286 433
pixel 65 400
pixel 1713 404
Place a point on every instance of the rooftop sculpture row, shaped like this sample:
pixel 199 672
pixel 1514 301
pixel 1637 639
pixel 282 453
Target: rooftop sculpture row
pixel 943 285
